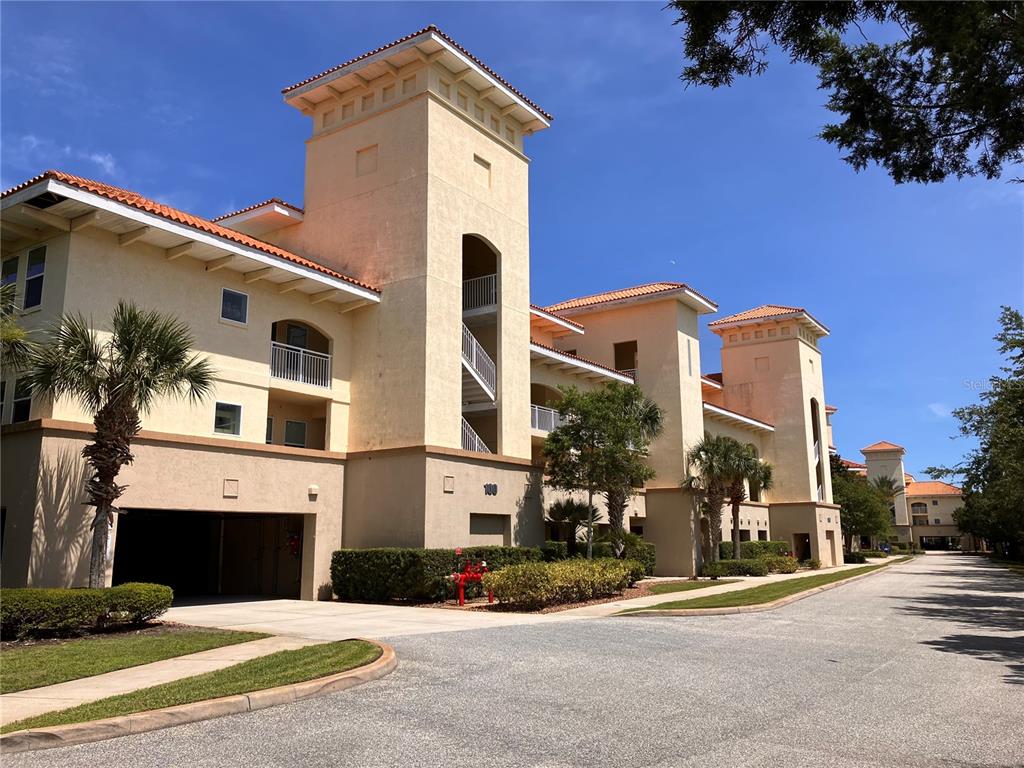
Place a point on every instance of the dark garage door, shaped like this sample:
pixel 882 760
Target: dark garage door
pixel 201 553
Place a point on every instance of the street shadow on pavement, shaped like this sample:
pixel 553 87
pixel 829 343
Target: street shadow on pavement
pixel 978 599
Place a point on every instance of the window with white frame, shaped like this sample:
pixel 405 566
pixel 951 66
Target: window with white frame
pixel 21 402
pixel 234 306
pixel 227 419
pixel 295 434
pixel 10 271
pixel 270 429
pixel 34 277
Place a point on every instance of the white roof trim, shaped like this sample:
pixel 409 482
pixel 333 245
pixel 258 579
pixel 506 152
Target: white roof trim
pixel 710 382
pixel 700 300
pixel 159 222
pixel 745 420
pixel 822 330
pixel 582 364
pixel 556 320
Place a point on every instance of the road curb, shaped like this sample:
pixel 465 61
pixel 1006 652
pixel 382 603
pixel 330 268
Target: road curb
pixel 152 720
pixel 760 608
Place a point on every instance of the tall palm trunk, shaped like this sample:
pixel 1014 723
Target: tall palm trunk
pixel 715 501
pixel 737 495
pixel 116 423
pixel 590 524
pixel 616 517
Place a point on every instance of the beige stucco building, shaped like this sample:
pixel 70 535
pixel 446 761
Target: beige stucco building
pixel 381 375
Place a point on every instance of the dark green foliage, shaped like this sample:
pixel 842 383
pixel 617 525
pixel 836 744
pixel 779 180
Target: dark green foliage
pixel 941 94
pixel 45 612
pixel 751 567
pixel 551 551
pixel 754 549
pixel 635 548
pixel 874 553
pixel 854 557
pixel 864 507
pixel 993 473
pixel 812 563
pixel 376 575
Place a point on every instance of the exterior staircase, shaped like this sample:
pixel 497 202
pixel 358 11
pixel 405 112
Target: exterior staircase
pixel 479 375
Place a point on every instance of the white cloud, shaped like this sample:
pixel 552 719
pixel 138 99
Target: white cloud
pixel 30 154
pixel 939 409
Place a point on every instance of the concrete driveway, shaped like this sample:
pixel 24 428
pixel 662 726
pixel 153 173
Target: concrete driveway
pixel 921 665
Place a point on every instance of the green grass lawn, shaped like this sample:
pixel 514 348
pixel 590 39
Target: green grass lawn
pixel 281 668
pixel 33 666
pixel 765 593
pixel 667 587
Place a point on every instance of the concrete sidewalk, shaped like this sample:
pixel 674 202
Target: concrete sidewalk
pixel 18 706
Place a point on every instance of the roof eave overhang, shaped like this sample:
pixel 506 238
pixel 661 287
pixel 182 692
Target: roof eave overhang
pixel 295 97
pixel 588 369
pixel 554 319
pixel 275 213
pixel 737 418
pixel 350 291
pixel 813 325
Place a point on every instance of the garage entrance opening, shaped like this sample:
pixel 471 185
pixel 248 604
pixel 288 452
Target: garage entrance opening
pixel 207 553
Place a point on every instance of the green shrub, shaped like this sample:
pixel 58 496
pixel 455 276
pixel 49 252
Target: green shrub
pixel 375 575
pixel 554 550
pixel 854 557
pixel 812 563
pixel 874 553
pixel 780 564
pixel 535 585
pixel 136 603
pixel 40 612
pixel 754 549
pixel 749 567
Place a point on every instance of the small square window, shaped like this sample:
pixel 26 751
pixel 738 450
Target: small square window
pixel 510 135
pixel 327 119
pixel 227 419
pixel 462 101
pixel 478 113
pixel 409 83
pixel 446 90
pixel 270 429
pixel 367 103
pixel 935 502
pixel 495 125
pixel 10 271
pixel 347 110
pixel 234 306
pixel 938 521
pixel 388 93
pixel 295 434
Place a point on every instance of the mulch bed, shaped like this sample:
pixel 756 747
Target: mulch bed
pixel 480 603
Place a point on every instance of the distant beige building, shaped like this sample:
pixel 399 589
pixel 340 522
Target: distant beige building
pixel 382 377
pixel 922 509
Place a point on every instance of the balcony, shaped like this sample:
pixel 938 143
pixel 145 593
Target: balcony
pixel 471 441
pixel 544 419
pixel 480 294
pixel 300 365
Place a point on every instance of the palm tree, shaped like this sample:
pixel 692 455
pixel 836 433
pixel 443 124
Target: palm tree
pixel 14 341
pixel 748 469
pixel 571 515
pixel 712 460
pixel 642 421
pixel 145 357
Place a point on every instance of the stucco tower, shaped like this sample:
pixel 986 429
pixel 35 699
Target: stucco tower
pixel 885 460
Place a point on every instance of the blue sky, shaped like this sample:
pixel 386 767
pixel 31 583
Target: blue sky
pixel 638 179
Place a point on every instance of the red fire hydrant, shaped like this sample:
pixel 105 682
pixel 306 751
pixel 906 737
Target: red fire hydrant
pixel 470 572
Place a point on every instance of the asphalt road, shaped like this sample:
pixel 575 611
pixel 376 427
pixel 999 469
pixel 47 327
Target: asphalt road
pixel 920 665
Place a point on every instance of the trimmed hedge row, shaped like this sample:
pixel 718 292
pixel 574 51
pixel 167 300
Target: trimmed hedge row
pixel 784 564
pixel 854 557
pixel 754 549
pixel 407 573
pixel 536 585
pixel 749 567
pixel 39 612
pixel 638 549
pixel 874 553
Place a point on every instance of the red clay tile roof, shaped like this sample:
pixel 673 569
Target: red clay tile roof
pixel 254 206
pixel 882 445
pixel 555 314
pixel 648 289
pixel 932 488
pixel 429 28
pixel 714 377
pixel 852 464
pixel 135 200
pixel 577 357
pixel 830 408
pixel 764 312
